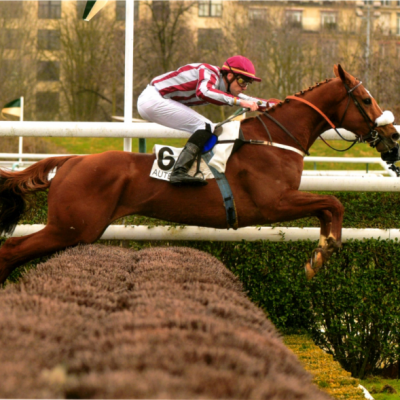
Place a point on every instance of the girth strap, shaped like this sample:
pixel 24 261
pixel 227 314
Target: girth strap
pixel 226 192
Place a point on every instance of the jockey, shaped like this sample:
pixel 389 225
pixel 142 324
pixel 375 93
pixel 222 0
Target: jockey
pixel 167 99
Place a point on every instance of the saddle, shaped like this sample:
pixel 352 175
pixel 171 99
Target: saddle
pixel 230 139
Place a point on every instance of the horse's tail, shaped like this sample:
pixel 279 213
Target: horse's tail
pixel 15 186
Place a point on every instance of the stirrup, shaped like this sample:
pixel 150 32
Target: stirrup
pixel 180 178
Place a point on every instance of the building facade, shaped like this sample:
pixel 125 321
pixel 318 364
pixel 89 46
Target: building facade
pixel 42 56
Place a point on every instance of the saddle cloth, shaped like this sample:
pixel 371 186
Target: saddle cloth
pixel 166 156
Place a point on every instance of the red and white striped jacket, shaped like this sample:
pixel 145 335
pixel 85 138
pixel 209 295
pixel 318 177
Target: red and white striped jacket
pixel 196 84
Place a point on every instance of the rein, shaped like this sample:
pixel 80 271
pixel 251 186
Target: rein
pixel 372 134
pixel 332 125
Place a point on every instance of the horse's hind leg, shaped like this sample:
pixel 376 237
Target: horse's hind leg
pixel 19 250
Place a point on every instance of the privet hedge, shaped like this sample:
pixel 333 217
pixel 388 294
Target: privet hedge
pixel 351 308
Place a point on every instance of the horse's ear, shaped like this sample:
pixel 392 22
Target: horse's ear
pixel 342 74
pixel 335 70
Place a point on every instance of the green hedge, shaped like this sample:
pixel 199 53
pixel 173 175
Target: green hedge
pixel 352 307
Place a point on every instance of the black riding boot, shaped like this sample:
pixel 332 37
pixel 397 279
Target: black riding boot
pixel 179 175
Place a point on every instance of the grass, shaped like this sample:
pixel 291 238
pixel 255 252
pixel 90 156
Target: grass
pixel 379 390
pixel 333 379
pixel 329 376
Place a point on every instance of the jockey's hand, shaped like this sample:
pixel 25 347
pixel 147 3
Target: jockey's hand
pixel 252 105
pixel 263 107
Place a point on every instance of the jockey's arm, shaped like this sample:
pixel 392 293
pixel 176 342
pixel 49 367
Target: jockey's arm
pixel 207 90
pixel 262 104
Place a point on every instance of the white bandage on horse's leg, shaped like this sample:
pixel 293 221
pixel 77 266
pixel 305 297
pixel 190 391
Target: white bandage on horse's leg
pixel 322 240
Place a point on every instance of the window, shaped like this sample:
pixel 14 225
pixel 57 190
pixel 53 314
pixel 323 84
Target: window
pixel 385 2
pixel 48 71
pixel 12 38
pixel 160 10
pixel 210 8
pixel 47 105
pixel 384 49
pixel 10 9
pixel 49 9
pixel 384 23
pixel 120 10
pixel 209 39
pixel 294 18
pixel 9 69
pixel 80 8
pixel 329 20
pixel 48 39
pixel 257 13
pixel 398 24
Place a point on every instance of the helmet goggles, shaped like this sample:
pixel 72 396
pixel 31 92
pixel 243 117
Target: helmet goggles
pixel 243 81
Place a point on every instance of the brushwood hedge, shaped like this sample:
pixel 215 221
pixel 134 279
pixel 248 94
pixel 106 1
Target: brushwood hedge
pixel 351 308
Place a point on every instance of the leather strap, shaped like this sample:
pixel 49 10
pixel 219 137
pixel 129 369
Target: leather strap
pixel 314 107
pixel 226 192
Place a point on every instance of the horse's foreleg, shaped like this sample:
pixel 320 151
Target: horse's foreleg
pixel 19 250
pixel 327 245
pixel 329 211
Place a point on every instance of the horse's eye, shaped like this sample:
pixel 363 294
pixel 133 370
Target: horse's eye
pixel 367 101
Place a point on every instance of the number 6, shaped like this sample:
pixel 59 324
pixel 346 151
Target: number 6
pixel 161 158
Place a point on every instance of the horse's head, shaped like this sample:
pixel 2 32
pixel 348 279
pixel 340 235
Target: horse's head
pixel 363 116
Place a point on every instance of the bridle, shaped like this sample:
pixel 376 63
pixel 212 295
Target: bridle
pixel 372 137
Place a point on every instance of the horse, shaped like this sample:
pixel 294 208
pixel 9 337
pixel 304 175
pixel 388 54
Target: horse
pixel 89 192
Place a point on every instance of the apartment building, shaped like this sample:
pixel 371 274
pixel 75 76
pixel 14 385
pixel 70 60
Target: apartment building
pixel 378 21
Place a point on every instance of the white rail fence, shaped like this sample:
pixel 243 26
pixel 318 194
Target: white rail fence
pixel 151 130
pixel 169 233
pixel 366 182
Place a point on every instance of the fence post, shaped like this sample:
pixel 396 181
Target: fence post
pixel 128 70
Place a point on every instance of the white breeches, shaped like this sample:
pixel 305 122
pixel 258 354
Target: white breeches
pixel 153 107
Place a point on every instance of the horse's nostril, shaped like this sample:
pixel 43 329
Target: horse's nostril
pixel 395 136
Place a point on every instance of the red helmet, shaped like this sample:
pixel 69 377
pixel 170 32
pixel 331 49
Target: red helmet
pixel 240 65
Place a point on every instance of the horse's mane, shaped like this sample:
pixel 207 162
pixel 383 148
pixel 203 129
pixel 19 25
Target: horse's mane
pixel 301 93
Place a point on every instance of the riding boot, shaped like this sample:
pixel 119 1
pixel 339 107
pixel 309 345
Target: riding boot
pixel 179 175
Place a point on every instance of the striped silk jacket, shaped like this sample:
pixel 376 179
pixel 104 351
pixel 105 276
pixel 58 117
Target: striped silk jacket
pixel 196 84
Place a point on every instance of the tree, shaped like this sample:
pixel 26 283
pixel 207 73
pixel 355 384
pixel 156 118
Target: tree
pixel 89 66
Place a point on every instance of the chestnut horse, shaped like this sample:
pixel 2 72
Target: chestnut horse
pixel 89 192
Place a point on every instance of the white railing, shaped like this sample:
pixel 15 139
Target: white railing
pixel 139 130
pixel 140 232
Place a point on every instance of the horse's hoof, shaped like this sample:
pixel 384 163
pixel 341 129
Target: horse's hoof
pixel 310 273
pixel 314 265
